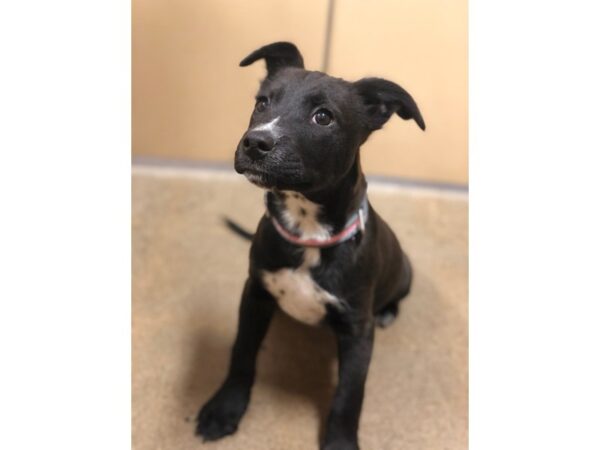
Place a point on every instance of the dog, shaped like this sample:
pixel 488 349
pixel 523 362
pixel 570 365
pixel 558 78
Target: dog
pixel 320 252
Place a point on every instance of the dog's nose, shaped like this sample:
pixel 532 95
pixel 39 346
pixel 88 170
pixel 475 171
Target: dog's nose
pixel 258 142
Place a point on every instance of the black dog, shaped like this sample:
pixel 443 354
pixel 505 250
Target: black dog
pixel 320 253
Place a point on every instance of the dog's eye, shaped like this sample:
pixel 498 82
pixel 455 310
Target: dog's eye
pixel 322 117
pixel 261 104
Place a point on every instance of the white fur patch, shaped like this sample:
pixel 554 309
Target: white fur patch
pixel 255 179
pixel 301 214
pixel 270 126
pixel 296 291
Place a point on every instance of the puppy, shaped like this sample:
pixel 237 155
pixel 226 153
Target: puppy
pixel 320 253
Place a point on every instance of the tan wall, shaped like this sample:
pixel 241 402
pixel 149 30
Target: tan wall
pixel 192 101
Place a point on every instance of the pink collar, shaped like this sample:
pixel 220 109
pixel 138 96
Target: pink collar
pixel 355 224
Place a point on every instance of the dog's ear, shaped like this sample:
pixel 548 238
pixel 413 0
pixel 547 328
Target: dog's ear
pixel 383 98
pixel 277 56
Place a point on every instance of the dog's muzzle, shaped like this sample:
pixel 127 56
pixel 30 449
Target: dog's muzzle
pixel 256 144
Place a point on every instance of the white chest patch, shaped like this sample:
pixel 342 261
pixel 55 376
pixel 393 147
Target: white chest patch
pixel 296 291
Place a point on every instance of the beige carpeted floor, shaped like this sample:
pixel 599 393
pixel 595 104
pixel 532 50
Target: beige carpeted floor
pixel 188 272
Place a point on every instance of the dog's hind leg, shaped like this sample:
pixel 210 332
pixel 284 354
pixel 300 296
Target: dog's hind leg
pixel 386 315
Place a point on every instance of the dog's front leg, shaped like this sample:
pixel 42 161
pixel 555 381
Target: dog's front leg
pixel 222 413
pixel 355 345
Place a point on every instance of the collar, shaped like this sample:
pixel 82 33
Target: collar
pixel 356 223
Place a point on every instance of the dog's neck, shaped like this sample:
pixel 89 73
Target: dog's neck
pixel 322 213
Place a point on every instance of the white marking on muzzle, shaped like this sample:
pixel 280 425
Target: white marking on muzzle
pixel 271 126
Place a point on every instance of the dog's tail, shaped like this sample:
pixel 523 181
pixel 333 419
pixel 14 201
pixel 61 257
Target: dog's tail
pixel 237 229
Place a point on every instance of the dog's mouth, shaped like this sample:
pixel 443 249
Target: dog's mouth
pixel 257 178
pixel 255 175
pixel 265 181
pixel 284 177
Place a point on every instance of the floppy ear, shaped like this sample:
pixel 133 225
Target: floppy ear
pixel 384 98
pixel 277 56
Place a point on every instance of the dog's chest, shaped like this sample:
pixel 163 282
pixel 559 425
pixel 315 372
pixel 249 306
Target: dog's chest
pixel 297 293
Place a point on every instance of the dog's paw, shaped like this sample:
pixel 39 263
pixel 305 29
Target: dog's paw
pixel 386 316
pixel 221 415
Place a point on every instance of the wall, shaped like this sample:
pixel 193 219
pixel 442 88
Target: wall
pixel 192 101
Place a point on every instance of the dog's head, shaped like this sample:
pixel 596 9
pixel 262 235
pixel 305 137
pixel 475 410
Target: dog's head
pixel 307 127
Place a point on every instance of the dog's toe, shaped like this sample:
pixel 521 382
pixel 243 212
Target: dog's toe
pixel 222 414
pixel 211 427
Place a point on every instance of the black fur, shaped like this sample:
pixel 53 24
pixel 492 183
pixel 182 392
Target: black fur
pixel 277 56
pixel 370 273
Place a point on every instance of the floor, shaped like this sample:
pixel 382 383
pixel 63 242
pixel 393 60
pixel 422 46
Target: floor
pixel 188 272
